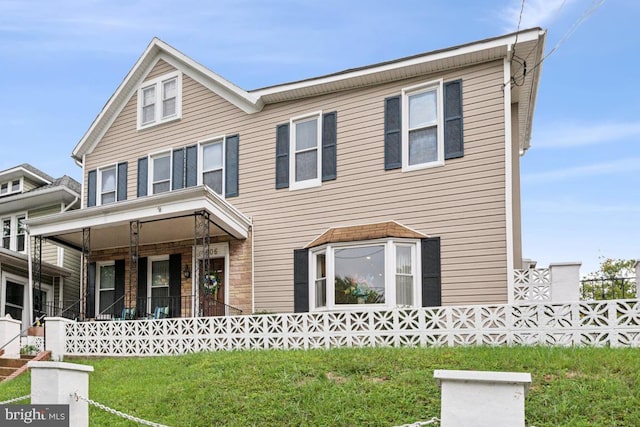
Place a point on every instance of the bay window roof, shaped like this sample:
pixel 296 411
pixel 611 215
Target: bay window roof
pixel 356 233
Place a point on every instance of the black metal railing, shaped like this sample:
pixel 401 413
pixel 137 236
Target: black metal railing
pixel 608 288
pixel 165 307
pixel 68 309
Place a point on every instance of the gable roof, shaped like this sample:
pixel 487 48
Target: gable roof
pixel 531 40
pixel 27 170
pixel 355 233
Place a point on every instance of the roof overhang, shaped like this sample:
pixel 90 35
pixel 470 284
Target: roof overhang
pixel 253 101
pixel 37 198
pixel 19 172
pixel 19 260
pixel 164 217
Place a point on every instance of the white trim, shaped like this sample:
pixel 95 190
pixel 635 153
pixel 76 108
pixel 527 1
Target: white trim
pixel 23 171
pixel 389 244
pixel 99 172
pixel 97 285
pixel 309 183
pixel 158 87
pixel 150 167
pixel 508 185
pixel 13 231
pixel 200 168
pixel 406 94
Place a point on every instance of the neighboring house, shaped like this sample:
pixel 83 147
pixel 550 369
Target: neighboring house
pixel 28 193
pixel 391 184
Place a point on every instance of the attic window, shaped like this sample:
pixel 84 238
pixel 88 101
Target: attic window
pixel 10 187
pixel 160 100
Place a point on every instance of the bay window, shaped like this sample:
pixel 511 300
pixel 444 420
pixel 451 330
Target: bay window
pixel 379 273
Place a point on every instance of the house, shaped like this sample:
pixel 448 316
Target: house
pixel 28 193
pixel 393 184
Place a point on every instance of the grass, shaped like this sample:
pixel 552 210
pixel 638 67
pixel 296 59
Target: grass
pixel 354 387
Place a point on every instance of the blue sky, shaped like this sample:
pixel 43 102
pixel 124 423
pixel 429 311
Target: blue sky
pixel 60 61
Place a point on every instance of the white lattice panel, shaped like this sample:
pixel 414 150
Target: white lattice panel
pixel 533 285
pixel 606 323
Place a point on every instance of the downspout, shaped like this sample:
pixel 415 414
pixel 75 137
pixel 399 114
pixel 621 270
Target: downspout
pixel 30 267
pixel 70 205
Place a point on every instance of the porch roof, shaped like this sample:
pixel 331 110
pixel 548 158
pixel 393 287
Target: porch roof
pixel 20 260
pixel 165 217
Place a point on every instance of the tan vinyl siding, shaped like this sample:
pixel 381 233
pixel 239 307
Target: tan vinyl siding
pixel 462 202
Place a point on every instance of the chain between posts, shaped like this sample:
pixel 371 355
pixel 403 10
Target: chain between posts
pixel 116 412
pixel 17 399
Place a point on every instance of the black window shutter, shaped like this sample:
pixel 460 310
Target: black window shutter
pixel 431 276
pixel 122 181
pixel 453 144
pixel 329 139
pixel 90 302
pixel 232 165
pixel 143 167
pixel 301 280
pixel 282 156
pixel 392 133
pixel 177 175
pixel 175 284
pixel 191 164
pixel 119 288
pixel 91 188
pixel 141 305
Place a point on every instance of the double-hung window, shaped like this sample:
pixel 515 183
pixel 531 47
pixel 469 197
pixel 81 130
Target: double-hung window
pixel 106 287
pixel 306 161
pixel 10 187
pixel 212 164
pixel 158 282
pixel 160 100
pixel 422 126
pixel 13 233
pixel 107 185
pixel 160 173
pixel 378 273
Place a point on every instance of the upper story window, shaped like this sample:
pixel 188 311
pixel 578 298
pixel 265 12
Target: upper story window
pixel 160 172
pixel 107 183
pixel 160 100
pixel 422 126
pixel 10 187
pixel 13 233
pixel 212 164
pixel 380 273
pixel 305 163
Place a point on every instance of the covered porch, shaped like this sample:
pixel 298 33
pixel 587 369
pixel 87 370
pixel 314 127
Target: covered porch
pixel 185 253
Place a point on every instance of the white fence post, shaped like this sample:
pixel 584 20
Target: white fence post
pixel 55 336
pixel 481 398
pixel 9 329
pixel 55 383
pixel 565 281
pixel 638 279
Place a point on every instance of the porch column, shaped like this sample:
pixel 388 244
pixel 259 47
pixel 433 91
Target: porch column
pixel 86 258
pixel 202 238
pixel 56 337
pixel 134 255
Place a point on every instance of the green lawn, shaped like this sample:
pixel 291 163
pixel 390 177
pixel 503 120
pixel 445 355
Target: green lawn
pixel 354 387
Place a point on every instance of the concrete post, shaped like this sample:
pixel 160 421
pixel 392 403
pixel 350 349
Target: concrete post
pixel 482 399
pixel 565 281
pixel 9 329
pixel 638 279
pixel 55 336
pixel 54 383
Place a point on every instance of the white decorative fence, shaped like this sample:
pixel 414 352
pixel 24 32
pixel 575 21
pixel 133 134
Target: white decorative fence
pixel 532 285
pixel 608 323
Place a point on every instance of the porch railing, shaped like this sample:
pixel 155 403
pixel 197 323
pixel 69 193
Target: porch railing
pixel 68 309
pixel 174 307
pixel 608 288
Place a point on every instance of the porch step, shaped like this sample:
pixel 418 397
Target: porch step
pixel 11 368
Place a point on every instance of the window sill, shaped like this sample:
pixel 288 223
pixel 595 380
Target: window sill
pixel 421 166
pixel 311 183
pixel 158 123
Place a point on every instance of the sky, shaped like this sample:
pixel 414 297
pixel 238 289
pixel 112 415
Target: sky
pixel 60 61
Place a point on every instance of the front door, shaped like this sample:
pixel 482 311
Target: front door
pixel 212 289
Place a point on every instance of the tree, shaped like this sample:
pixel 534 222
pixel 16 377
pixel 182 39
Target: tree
pixel 614 280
